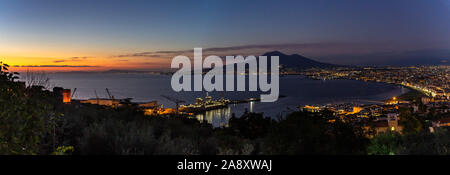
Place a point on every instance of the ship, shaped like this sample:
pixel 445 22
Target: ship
pixel 201 105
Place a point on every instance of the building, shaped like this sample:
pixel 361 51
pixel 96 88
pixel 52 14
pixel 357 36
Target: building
pixel 102 101
pixel 389 123
pixel 62 95
pixel 441 122
pixel 152 104
pixel 66 93
pixel 437 123
pixel 309 108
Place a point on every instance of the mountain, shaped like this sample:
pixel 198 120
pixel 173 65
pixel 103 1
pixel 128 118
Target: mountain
pixel 296 61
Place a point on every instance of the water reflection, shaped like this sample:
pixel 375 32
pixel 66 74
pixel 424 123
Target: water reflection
pixel 216 117
pixel 220 117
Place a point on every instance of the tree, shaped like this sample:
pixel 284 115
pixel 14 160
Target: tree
pixel 311 133
pixel 22 119
pixel 35 78
pixel 410 122
pixel 384 144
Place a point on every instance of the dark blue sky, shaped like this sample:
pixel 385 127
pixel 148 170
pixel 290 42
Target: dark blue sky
pixel 117 27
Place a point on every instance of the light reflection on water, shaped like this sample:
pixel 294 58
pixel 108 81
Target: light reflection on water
pixel 217 117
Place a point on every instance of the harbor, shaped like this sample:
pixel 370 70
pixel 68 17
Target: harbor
pixel 149 92
pixel 152 108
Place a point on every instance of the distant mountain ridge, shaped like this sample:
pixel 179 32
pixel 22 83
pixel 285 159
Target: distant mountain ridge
pixel 296 61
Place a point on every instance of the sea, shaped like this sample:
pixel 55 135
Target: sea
pixel 297 91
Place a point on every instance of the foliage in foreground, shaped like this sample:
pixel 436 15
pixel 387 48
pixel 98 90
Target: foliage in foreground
pixel 23 115
pixel 32 122
pixel 422 143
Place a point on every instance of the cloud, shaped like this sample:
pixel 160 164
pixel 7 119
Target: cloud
pixel 331 52
pixel 251 49
pixel 71 59
pixel 53 66
pixel 59 61
pixel 140 54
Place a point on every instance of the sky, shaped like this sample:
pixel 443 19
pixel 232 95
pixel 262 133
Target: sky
pixel 113 34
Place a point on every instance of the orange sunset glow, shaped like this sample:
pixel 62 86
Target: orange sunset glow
pixel 85 63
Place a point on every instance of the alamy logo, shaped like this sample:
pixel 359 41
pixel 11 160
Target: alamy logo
pixel 257 74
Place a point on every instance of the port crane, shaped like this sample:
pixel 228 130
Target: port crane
pixel 109 94
pixel 111 97
pixel 176 101
pixel 96 96
pixel 74 90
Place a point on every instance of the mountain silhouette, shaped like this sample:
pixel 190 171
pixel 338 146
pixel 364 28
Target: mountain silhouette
pixel 296 61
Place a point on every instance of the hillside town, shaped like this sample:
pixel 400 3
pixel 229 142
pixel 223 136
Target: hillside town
pixel 428 99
